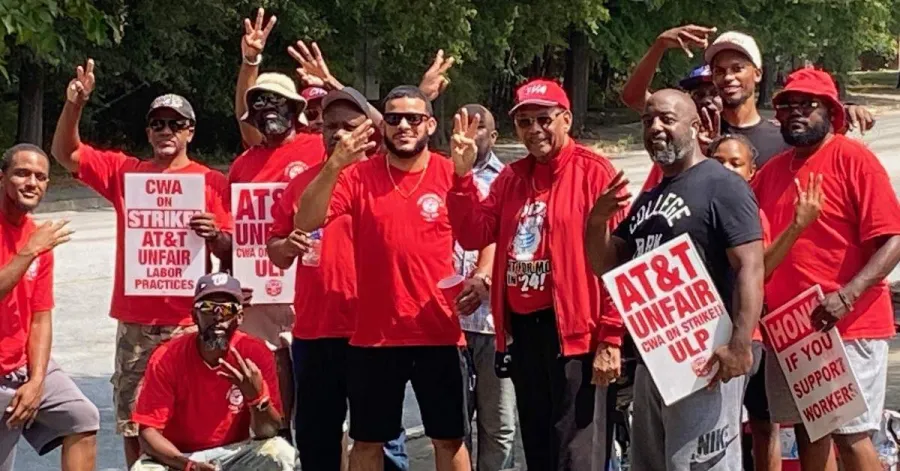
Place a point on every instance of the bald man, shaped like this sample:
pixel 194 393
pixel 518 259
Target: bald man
pixel 493 400
pixel 717 209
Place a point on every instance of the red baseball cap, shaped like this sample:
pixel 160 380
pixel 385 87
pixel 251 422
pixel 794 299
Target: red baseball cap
pixel 542 92
pixel 313 93
pixel 819 84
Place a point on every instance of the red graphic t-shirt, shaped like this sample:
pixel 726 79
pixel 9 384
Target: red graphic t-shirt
pixel 194 407
pixel 104 172
pixel 33 293
pixel 260 164
pixel 860 209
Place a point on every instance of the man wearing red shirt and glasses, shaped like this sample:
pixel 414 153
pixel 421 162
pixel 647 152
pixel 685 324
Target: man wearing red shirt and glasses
pixel 40 401
pixel 544 292
pixel 848 251
pixel 405 329
pixel 204 392
pixel 144 321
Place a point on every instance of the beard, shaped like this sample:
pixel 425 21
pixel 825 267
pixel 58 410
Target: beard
pixel 729 102
pixel 812 135
pixel 673 152
pixel 213 341
pixel 273 126
pixel 407 154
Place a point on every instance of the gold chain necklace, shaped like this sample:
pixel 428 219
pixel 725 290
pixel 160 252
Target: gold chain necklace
pixel 387 164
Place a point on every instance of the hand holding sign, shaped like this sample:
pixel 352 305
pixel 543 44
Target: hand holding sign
pixel 204 225
pixel 47 236
pixel 834 306
pixel 733 360
pixel 610 201
pixel 352 146
pixel 607 364
pixel 80 88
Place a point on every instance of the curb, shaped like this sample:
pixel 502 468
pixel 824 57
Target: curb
pixel 79 204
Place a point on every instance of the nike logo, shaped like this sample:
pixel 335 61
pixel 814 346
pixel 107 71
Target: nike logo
pixel 713 460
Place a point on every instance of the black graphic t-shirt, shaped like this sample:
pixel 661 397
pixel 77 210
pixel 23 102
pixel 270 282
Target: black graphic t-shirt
pixel 765 136
pixel 712 204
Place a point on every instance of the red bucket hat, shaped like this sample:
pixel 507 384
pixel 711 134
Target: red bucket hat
pixel 541 92
pixel 819 84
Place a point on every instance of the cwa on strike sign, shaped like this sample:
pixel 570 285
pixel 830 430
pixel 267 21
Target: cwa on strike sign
pixel 251 205
pixel 815 366
pixel 674 314
pixel 163 256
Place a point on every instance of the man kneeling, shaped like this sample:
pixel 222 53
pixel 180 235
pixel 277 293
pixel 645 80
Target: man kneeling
pixel 204 393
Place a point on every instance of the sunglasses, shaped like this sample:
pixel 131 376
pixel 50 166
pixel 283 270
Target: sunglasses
pixel 224 311
pixel 264 100
pixel 543 121
pixel 413 119
pixel 158 125
pixel 805 107
pixel 312 115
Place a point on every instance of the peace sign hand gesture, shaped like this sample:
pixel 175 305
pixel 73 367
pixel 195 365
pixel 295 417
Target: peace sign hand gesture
pixel 611 201
pixel 80 87
pixel 435 80
pixel 246 376
pixel 255 35
pixel 463 149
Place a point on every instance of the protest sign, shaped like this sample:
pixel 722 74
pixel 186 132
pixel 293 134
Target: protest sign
pixel 815 365
pixel 163 256
pixel 251 205
pixel 674 314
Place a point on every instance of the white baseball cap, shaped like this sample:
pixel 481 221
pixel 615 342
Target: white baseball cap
pixel 735 41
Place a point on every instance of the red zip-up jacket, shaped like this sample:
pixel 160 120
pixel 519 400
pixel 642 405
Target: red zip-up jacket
pixel 584 312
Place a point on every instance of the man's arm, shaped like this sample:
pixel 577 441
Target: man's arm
pixel 265 423
pixel 749 268
pixel 48 235
pixel 161 449
pixel 876 269
pixel 283 251
pixel 252 45
pixel 66 139
pixel 24 405
pixel 604 250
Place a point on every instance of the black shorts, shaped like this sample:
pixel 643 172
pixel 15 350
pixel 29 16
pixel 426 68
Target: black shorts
pixel 377 378
pixel 755 396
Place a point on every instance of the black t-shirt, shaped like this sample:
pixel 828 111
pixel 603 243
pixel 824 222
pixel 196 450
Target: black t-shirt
pixel 712 204
pixel 764 135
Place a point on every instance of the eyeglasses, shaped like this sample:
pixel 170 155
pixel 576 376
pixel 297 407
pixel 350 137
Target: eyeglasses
pixel 414 119
pixel 805 107
pixel 312 115
pixel 543 121
pixel 225 311
pixel 180 124
pixel 265 99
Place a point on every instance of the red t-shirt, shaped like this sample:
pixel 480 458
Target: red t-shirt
pixel 528 277
pixel 193 407
pixel 260 164
pixel 104 172
pixel 325 288
pixel 33 293
pixel 404 246
pixel 860 207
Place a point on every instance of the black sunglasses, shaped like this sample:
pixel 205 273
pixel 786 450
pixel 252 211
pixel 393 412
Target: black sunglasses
pixel 805 107
pixel 543 121
pixel 414 119
pixel 180 124
pixel 265 99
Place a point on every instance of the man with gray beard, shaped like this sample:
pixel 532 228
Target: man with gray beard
pixel 715 206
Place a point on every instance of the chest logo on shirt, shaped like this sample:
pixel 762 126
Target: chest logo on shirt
pixel 669 206
pixel 32 272
pixel 235 399
pixel 429 206
pixel 294 168
pixel 528 233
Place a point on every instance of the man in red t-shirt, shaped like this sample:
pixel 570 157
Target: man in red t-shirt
pixel 405 329
pixel 204 392
pixel 144 321
pixel 848 251
pixel 40 401
pixel 544 295
pixel 314 97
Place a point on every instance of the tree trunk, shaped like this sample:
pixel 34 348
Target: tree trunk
pixel 767 86
pixel 31 103
pixel 576 78
pixel 898 61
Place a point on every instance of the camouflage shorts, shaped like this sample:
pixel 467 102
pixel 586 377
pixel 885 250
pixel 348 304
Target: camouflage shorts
pixel 134 344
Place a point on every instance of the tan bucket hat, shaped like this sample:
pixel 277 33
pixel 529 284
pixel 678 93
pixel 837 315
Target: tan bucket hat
pixel 279 84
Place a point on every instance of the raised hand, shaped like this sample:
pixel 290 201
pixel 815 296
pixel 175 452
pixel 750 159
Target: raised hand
pixel 435 80
pixel 686 37
pixel 80 87
pixel 245 375
pixel 313 70
pixel 352 146
pixel 463 149
pixel 809 202
pixel 710 126
pixel 611 201
pixel 255 35
pixel 47 236
pixel 859 118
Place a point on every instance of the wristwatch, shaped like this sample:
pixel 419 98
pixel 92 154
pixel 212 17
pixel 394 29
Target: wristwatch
pixel 263 405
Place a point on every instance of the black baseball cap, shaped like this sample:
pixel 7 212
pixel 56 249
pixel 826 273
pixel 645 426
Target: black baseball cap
pixel 351 95
pixel 219 283
pixel 176 103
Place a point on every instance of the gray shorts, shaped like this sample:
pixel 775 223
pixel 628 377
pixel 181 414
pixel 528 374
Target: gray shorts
pixel 64 411
pixel 867 358
pixel 699 432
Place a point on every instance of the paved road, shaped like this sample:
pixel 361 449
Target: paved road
pixel 84 334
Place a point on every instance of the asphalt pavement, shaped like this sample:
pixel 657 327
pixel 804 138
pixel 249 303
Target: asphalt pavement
pixel 84 334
